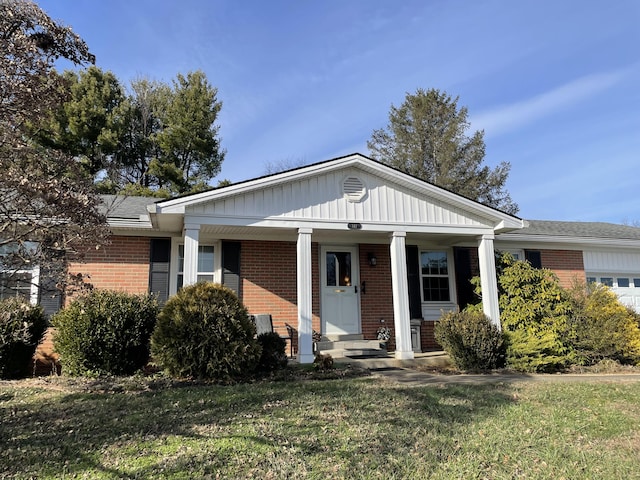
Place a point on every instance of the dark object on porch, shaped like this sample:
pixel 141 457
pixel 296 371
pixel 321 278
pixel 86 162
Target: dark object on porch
pixel 264 324
pixel 273 356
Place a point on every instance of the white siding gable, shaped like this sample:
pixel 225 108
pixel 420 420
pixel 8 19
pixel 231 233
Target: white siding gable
pixel 321 198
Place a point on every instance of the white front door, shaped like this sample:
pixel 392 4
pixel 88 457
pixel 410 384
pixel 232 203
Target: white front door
pixel 340 282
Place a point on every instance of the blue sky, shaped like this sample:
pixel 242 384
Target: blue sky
pixel 554 84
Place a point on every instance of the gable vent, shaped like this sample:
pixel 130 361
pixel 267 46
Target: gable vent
pixel 353 189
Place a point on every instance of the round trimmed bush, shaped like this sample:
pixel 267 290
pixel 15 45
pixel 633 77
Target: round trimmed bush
pixel 21 328
pixel 472 341
pixel 105 333
pixel 205 332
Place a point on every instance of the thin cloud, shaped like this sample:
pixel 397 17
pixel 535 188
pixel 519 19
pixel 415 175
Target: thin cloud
pixel 510 117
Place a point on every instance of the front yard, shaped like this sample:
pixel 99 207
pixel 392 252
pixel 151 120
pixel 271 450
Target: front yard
pixel 337 428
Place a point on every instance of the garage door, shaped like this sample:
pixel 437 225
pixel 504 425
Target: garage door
pixel 626 287
pixel 619 270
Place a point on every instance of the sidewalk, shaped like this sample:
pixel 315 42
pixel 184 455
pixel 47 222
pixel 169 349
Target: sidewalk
pixel 410 377
pixel 406 372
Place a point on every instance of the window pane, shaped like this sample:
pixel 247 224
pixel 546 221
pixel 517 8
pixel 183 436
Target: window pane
pixel 205 278
pixel 338 269
pixel 205 258
pixel 180 280
pixel 591 279
pixel 435 289
pixel 623 282
pixel 15 285
pixel 636 282
pixel 608 281
pixel 181 258
pixel 434 263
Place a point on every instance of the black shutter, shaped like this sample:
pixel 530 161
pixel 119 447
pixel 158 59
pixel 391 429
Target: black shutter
pixel 534 257
pixel 462 265
pixel 159 268
pixel 50 296
pixel 413 280
pixel 231 266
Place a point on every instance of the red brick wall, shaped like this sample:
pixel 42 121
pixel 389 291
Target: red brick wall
pixel 377 301
pixel 269 282
pixel 121 265
pixel 568 265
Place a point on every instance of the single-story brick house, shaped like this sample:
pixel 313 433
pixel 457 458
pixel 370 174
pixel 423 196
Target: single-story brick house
pixel 345 246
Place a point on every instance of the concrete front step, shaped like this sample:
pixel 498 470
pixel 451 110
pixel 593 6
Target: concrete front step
pixel 351 347
pixel 351 344
pixel 428 359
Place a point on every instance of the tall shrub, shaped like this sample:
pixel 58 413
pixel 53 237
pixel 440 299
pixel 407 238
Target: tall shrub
pixel 602 327
pixel 205 332
pixel 105 332
pixel 534 311
pixel 472 341
pixel 21 328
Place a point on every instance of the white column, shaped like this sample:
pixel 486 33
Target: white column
pixel 488 279
pixel 401 314
pixel 191 242
pixel 305 328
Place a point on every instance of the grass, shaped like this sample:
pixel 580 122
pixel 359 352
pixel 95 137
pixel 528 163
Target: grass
pixel 348 427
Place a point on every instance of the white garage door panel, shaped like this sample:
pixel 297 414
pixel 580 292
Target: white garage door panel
pixel 628 293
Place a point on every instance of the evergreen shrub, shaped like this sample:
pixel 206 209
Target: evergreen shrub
pixel 602 327
pixel 105 333
pixel 472 341
pixel 21 328
pixel 534 312
pixel 205 332
pixel 273 356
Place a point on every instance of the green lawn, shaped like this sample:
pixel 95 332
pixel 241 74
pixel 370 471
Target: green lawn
pixel 340 428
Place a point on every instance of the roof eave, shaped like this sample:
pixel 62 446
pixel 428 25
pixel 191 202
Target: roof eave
pixel 592 241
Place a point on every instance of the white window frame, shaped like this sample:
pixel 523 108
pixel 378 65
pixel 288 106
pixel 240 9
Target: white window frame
pixel 34 271
pixel 517 254
pixel 173 267
pixel 450 276
pixel 35 282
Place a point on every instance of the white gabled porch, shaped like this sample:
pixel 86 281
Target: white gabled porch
pixel 348 201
